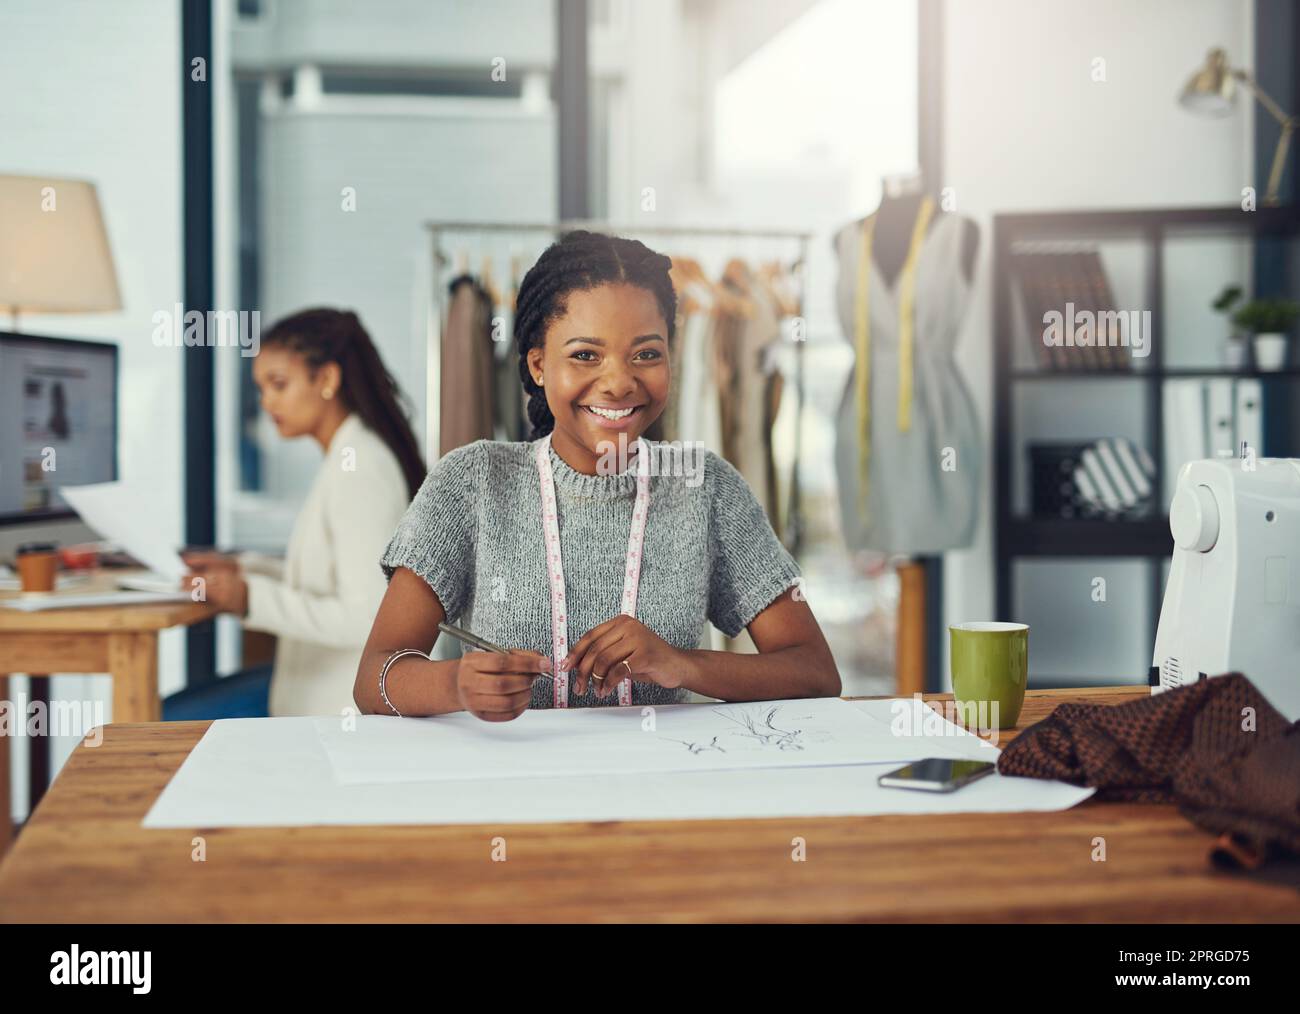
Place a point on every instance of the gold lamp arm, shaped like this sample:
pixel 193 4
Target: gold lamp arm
pixel 1283 143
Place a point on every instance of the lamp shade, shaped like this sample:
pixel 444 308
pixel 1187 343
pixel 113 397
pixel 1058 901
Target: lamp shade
pixel 54 255
pixel 1211 91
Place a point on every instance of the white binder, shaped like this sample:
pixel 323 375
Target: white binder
pixel 1250 415
pixel 1221 429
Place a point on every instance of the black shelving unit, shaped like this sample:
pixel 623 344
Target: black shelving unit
pixel 1019 537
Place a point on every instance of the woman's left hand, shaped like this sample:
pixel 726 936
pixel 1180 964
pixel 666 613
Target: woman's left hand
pixel 602 650
pixel 226 590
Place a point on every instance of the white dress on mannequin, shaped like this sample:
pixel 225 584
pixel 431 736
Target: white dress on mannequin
pixel 923 483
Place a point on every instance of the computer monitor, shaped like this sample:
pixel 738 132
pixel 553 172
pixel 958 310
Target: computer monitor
pixel 58 422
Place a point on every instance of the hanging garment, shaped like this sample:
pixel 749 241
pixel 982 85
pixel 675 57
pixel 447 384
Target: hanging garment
pixel 667 424
pixel 467 365
pixel 778 284
pixel 699 411
pixel 773 388
pixel 511 403
pixel 761 333
pixel 664 428
pixel 785 474
pixel 907 448
pixel 743 351
pixel 728 323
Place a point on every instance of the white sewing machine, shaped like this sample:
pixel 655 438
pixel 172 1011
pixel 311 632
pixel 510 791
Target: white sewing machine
pixel 1232 603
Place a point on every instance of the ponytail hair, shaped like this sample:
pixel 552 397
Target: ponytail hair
pixel 581 260
pixel 322 335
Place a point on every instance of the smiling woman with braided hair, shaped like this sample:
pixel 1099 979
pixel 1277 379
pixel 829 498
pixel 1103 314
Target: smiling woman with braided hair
pixel 598 577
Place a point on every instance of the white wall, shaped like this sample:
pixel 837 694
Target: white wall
pixel 92 90
pixel 1026 128
pixel 417 33
pixel 407 164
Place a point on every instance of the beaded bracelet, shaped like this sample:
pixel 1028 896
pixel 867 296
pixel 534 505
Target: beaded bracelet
pixel 383 673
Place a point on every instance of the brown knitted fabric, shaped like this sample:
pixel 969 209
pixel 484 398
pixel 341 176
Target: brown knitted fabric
pixel 1194 746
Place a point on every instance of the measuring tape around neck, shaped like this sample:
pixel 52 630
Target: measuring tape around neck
pixel 906 337
pixel 555 563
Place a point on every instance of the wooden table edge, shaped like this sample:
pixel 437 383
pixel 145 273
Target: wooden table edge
pixel 195 730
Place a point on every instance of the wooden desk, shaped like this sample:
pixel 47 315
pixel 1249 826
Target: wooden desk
pixel 119 640
pixel 84 857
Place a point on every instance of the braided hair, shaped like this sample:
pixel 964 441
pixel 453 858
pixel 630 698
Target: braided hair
pixel 579 261
pixel 322 335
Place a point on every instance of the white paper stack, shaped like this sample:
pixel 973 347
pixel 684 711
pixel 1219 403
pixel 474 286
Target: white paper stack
pixel 276 772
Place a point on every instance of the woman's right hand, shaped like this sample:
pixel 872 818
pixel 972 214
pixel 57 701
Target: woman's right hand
pixel 498 687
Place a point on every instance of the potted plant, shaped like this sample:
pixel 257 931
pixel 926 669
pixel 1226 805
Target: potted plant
pixel 1234 349
pixel 1268 320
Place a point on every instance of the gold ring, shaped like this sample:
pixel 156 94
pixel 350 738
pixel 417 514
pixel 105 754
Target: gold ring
pixel 629 668
pixel 595 677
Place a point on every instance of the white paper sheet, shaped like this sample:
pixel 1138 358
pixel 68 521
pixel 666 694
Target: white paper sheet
pixel 553 742
pixel 34 602
pixel 273 772
pixel 125 513
pixel 9 581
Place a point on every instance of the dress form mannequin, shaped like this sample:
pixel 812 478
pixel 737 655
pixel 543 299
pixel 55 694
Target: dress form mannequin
pixel 894 220
pixel 911 510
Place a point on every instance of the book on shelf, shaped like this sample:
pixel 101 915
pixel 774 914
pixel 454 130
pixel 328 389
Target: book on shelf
pixel 1069 283
pixel 1025 269
pixel 1112 342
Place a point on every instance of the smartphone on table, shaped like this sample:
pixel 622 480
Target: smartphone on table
pixel 936 774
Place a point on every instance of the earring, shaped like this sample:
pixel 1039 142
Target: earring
pixel 540 381
pixel 328 393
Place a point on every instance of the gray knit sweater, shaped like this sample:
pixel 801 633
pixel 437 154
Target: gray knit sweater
pixel 474 533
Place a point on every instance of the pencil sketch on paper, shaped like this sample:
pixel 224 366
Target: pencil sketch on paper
pixel 756 728
pixel 698 747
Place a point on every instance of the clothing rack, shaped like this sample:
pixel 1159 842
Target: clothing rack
pixel 440 230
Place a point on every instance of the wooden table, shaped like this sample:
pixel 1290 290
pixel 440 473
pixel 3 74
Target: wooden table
pixel 84 857
pixel 119 640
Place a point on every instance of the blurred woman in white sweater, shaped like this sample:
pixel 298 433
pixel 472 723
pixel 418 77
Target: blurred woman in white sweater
pixel 319 375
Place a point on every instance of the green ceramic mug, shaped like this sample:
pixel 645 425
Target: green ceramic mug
pixel 990 667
